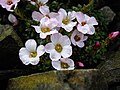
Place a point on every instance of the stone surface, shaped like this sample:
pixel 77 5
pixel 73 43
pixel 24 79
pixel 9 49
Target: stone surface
pixel 110 70
pixel 10 44
pixel 87 79
pixel 108 13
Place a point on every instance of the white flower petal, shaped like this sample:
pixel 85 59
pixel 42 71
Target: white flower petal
pixel 71 15
pixel 23 51
pixel 40 50
pixel 91 31
pixel 92 21
pixel 80 17
pixel 55 37
pixel 62 12
pixel 54 55
pixel 43 1
pixel 64 40
pixel 49 47
pixel 31 45
pixel 42 35
pixel 69 27
pixel 56 65
pixel 25 59
pixel 37 28
pixel 44 10
pixel 80 44
pixel 83 29
pixel 36 16
pixel 34 61
pixel 67 51
pixel 12 19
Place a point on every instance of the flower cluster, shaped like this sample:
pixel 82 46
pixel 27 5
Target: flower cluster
pixel 51 25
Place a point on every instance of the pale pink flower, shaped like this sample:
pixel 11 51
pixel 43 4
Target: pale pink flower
pixel 77 38
pixel 38 2
pixel 63 64
pixel 66 20
pixel 85 23
pixel 30 53
pixel 44 12
pixel 10 5
pixel 59 47
pixel 47 27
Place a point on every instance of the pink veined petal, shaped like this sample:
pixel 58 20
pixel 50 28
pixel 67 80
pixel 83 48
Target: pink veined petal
pixel 44 10
pixel 56 65
pixel 40 50
pixel 87 18
pixel 80 17
pixel 53 14
pixel 49 47
pixel 34 61
pixel 62 12
pixel 80 44
pixel 91 31
pixel 83 29
pixel 54 55
pixel 92 21
pixel 37 28
pixel 44 20
pixel 52 23
pixel 31 45
pixel 64 40
pixel 55 37
pixel 37 16
pixel 66 52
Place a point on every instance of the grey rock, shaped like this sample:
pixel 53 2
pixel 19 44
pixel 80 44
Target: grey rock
pixel 84 79
pixel 110 70
pixel 108 13
pixel 10 43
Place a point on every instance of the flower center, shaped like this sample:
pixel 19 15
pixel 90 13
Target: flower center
pixel 66 21
pixel 58 48
pixel 77 38
pixel 33 54
pixel 46 29
pixel 83 23
pixel 9 2
pixel 64 65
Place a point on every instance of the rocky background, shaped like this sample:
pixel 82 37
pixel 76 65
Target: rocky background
pixel 105 77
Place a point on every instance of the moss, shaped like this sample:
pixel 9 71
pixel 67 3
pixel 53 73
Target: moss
pixel 33 82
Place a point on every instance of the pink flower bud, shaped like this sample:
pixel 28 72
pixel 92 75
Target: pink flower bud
pixel 97 44
pixel 13 19
pixel 113 35
pixel 79 64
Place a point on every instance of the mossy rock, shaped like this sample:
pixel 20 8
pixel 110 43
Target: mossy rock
pixel 87 79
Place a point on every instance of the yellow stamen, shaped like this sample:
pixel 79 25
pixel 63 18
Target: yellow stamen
pixel 64 65
pixel 46 29
pixel 58 48
pixel 66 21
pixel 33 54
